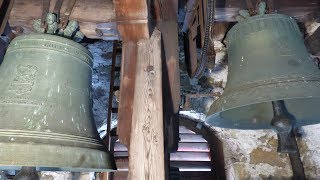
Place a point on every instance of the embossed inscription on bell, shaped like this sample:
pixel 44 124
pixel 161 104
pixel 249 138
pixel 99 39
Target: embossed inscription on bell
pixel 268 61
pixel 45 107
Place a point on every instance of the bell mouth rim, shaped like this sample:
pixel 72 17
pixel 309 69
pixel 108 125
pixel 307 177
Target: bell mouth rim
pixel 47 157
pixel 255 18
pixel 55 39
pixel 217 113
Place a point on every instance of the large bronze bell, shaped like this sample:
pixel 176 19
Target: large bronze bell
pixel 45 107
pixel 268 61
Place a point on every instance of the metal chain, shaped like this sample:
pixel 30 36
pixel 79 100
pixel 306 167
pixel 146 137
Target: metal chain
pixel 209 24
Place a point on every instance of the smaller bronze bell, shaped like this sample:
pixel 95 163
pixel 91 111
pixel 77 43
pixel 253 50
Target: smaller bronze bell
pixel 268 61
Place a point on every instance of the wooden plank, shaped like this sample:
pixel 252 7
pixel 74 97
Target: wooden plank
pixel 146 152
pixel 171 81
pixel 313 43
pixel 192 166
pixel 90 13
pixel 120 175
pixel 190 156
pixel 196 175
pixel 184 130
pixel 191 138
pixel 128 71
pixel 132 17
pixel 120 154
pixel 227 10
pixel 122 165
pixel 5 8
pixel 216 147
pixel 166 15
pixel 193 147
pixel 133 25
pixel 120 147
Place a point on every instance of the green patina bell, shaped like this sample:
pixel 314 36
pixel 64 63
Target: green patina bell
pixel 268 61
pixel 45 107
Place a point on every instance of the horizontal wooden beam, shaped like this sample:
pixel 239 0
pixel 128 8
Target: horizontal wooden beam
pixel 91 14
pixel 227 10
pixel 97 18
pixel 133 19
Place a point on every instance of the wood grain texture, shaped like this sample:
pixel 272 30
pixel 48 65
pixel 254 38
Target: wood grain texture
pixel 171 78
pixel 132 18
pixel 133 26
pixel 146 152
pixel 227 10
pixel 89 13
pixel 128 72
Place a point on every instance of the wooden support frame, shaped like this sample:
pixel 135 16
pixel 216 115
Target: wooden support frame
pixel 140 118
pixel 5 9
pixel 312 43
pixel 133 19
pixel 146 152
pixel 167 23
pixel 91 14
pixel 95 16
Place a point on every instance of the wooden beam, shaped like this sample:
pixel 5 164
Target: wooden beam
pixel 90 14
pixel 5 8
pixel 95 15
pixel 133 26
pixel 227 10
pixel 146 152
pixel 312 43
pixel 166 18
pixel 166 15
pixel 127 83
pixel 132 17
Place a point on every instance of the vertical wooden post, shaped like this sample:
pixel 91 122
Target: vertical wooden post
pixel 134 26
pixel 140 115
pixel 166 16
pixel 146 153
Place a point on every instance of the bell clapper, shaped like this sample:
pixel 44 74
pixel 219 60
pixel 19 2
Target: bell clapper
pixel 27 173
pixel 282 125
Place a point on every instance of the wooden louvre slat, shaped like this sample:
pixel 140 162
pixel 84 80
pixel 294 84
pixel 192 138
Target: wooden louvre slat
pixel 193 147
pixel 184 130
pixel 191 138
pixel 122 165
pixel 190 156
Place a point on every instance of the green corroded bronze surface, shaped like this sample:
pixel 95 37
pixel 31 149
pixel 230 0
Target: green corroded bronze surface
pixel 45 107
pixel 267 61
